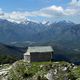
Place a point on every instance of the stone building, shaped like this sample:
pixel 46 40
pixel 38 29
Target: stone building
pixel 38 54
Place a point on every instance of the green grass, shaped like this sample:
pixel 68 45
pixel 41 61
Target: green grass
pixel 41 63
pixel 24 70
pixel 4 66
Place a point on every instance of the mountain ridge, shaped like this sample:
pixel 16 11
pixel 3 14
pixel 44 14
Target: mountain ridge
pixel 62 36
pixel 58 32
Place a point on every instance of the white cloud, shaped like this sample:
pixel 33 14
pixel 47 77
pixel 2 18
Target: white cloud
pixel 1 12
pixel 75 3
pixel 70 12
pixel 52 13
pixel 14 16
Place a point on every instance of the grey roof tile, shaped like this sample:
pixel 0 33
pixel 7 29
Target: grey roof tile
pixel 40 49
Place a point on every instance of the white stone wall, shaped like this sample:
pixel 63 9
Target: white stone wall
pixel 27 58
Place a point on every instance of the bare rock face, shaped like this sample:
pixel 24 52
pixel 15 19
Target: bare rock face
pixel 4 70
pixel 50 75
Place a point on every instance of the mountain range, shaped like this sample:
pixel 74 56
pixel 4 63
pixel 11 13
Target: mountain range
pixel 64 36
pixel 31 32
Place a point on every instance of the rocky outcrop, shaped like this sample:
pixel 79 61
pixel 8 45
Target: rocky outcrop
pixel 41 71
pixel 21 70
pixel 4 70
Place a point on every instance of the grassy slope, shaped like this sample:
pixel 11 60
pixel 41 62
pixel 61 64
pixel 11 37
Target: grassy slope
pixel 37 70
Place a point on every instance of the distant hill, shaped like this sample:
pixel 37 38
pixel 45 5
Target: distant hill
pixel 11 51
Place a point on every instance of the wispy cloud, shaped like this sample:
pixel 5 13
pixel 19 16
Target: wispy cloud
pixel 52 11
pixel 1 12
pixel 71 12
pixel 75 3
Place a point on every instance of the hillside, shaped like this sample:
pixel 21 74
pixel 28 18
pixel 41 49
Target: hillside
pixel 63 36
pixel 11 50
pixel 30 33
pixel 9 54
pixel 21 70
pixel 62 33
pixel 13 33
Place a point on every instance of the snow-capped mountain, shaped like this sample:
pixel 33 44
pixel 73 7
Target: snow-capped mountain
pixel 58 32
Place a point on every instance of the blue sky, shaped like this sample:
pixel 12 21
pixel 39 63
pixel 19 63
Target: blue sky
pixel 40 10
pixel 30 5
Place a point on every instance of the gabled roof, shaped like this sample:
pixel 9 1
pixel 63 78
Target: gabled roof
pixel 39 49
